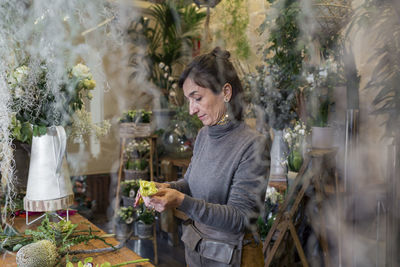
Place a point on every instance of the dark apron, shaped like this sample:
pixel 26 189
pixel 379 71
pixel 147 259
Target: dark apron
pixel 207 247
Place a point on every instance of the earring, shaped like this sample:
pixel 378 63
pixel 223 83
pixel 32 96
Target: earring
pixel 226 100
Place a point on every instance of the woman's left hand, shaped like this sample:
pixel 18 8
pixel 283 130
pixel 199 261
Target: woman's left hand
pixel 165 198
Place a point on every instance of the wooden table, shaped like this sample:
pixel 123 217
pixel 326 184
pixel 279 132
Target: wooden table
pixel 114 257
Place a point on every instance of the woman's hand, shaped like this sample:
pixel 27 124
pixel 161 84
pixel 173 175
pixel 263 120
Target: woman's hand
pixel 164 198
pixel 162 185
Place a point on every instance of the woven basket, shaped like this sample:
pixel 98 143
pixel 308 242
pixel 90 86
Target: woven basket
pixel 131 130
pixel 136 175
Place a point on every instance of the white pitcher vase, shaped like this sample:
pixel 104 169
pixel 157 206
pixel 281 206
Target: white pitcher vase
pixel 49 185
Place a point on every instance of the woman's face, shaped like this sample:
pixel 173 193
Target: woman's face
pixel 208 107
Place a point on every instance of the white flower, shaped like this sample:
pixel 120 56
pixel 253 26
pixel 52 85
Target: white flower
pixel 161 65
pixel 302 132
pixel 170 79
pixel 172 94
pixel 310 78
pixel 287 136
pixel 323 73
pixel 81 71
pixel 174 85
pixel 165 75
pixel 21 73
pixel 297 127
pixel 129 220
pixel 132 193
pixel 18 92
pixel 166 68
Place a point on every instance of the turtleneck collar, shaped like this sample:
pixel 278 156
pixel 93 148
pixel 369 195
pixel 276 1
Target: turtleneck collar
pixel 218 131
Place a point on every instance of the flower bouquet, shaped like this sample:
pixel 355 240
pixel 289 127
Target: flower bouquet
pixel 128 191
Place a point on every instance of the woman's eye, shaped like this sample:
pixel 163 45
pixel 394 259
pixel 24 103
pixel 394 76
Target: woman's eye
pixel 198 99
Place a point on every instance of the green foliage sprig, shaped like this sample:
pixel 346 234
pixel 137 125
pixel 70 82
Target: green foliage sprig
pixel 63 234
pixel 136 116
pixel 146 215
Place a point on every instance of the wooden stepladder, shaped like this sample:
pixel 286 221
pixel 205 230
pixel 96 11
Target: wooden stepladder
pixel 318 167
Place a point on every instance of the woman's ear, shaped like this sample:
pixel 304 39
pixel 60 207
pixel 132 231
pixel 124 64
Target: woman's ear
pixel 227 92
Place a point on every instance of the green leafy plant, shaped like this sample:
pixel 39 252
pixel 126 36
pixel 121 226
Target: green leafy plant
pixel 381 18
pixel 187 124
pixel 167 37
pixel 146 215
pixel 136 116
pixel 129 188
pixel 278 82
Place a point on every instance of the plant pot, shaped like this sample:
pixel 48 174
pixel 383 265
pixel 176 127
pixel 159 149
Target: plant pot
pixel 136 175
pixel 144 230
pixel 322 137
pixel 128 201
pixel 123 230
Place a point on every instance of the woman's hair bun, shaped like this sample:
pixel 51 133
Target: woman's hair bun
pixel 218 52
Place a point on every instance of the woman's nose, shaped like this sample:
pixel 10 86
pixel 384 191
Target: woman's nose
pixel 192 108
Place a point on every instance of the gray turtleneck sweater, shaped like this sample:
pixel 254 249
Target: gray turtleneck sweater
pixel 226 180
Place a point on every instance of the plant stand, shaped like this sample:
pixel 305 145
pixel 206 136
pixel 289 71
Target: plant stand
pixel 317 168
pixel 124 135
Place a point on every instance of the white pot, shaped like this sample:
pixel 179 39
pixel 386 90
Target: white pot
pixel 49 185
pixel 322 137
pixel 144 230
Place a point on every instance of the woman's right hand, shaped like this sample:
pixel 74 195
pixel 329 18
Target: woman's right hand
pixel 162 185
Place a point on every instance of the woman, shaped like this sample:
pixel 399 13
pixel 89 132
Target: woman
pixel 224 187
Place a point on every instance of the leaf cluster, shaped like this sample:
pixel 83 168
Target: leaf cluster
pixel 136 116
pixel 167 37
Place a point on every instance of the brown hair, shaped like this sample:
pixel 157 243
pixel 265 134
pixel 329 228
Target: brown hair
pixel 213 70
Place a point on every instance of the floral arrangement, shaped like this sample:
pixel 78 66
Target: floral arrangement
pixel 129 188
pixel 136 116
pixel 126 214
pixel 36 105
pixel 168 85
pixel 295 139
pixel 136 152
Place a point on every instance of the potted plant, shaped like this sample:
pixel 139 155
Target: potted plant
pixel 135 123
pixel 126 216
pixel 319 94
pixel 295 137
pixel 167 35
pixel 41 111
pixel 145 220
pixel 136 163
pixel 128 192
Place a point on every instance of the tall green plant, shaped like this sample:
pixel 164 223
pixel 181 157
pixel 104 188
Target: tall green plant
pixel 382 17
pixel 166 37
pixel 281 78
